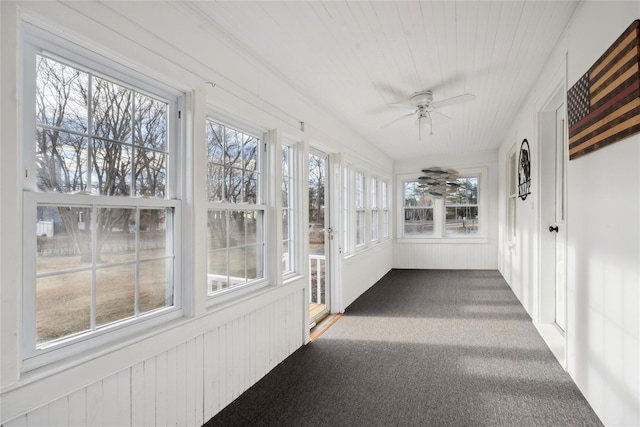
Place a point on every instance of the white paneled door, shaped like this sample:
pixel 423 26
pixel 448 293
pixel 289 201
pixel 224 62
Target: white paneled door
pixel 559 227
pixel 553 225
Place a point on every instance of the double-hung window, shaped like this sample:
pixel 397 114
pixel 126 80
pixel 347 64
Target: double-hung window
pixel 456 213
pixel 461 207
pixel 236 213
pixel 374 210
pixel 101 203
pixel 384 190
pixel 346 207
pixel 360 195
pixel 417 210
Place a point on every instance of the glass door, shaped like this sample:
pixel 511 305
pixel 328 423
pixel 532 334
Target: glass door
pixel 318 238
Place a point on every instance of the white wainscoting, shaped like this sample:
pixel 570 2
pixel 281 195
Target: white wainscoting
pixel 364 269
pixel 457 256
pixel 188 383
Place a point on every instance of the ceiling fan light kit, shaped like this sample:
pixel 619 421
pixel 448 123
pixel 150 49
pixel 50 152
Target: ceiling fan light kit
pixel 423 105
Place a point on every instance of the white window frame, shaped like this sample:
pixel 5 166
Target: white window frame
pixel 375 212
pixel 439 211
pixel 240 288
pixel 347 186
pixel 386 214
pixel 39 42
pixel 405 208
pixel 291 208
pixel 477 205
pixel 360 216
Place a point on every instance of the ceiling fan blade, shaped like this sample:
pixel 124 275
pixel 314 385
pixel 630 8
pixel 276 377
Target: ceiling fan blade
pixel 388 90
pixel 400 105
pixel 453 100
pixel 440 116
pixel 397 120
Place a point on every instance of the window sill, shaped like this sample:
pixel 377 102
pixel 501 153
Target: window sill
pixel 59 359
pixel 290 278
pixel 145 340
pixel 232 296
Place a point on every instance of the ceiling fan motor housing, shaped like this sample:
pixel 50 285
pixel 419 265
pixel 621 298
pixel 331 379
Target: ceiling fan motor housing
pixel 422 99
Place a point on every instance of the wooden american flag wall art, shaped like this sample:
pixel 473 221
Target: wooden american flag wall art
pixel 603 107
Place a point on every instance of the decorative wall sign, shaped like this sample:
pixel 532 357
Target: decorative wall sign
pixel 524 170
pixel 604 105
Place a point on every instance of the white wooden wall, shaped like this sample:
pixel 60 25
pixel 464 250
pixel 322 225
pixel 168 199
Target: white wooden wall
pixel 456 256
pixel 602 344
pixel 364 269
pixel 187 384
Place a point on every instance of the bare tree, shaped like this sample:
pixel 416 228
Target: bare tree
pixel 232 175
pixel 96 136
pixel 317 166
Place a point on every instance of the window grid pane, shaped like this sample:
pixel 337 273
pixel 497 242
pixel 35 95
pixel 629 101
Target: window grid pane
pixel 417 211
pixel 93 263
pixel 95 135
pixel 360 227
pixel 461 207
pixel 374 209
pixel 360 209
pixel 235 248
pixel 233 172
pixel 385 209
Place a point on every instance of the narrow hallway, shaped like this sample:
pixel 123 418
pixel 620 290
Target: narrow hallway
pixel 421 347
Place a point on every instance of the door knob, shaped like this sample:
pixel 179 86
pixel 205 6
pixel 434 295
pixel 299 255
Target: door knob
pixel 552 229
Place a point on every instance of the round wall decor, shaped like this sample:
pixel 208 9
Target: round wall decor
pixel 524 170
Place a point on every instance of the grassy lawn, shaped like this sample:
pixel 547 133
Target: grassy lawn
pixel 64 301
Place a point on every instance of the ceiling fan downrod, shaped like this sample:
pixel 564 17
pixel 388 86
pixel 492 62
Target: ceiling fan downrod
pixel 424 114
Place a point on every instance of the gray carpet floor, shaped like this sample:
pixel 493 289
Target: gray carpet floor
pixel 420 348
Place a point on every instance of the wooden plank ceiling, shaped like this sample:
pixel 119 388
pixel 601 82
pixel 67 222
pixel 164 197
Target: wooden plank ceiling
pixel 354 58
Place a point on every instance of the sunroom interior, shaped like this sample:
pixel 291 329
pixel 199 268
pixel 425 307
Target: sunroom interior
pixel 207 179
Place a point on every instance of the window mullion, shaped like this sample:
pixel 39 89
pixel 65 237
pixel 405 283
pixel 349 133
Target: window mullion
pixel 94 254
pixel 228 244
pixel 132 184
pixel 136 295
pixel 89 133
pixel 246 246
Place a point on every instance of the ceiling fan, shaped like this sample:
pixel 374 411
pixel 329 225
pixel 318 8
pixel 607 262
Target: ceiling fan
pixel 424 106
